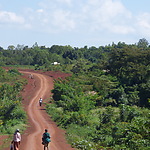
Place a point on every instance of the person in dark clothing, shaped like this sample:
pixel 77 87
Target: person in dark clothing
pixel 40 101
pixel 46 139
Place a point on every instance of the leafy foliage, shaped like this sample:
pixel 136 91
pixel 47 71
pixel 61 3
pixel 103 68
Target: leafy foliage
pixel 11 113
pixel 103 127
pixel 104 104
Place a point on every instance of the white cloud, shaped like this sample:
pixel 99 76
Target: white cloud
pixel 143 22
pixel 51 16
pixel 68 2
pixel 63 20
pixel 121 29
pixel 90 15
pixel 40 10
pixel 80 16
pixel 108 15
pixel 10 17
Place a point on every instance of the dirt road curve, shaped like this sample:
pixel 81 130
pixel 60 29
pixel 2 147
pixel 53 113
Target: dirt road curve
pixel 38 87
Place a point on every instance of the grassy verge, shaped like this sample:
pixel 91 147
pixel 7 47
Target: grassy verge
pixel 107 128
pixel 12 114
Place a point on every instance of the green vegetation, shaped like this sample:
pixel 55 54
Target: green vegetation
pixel 105 103
pixel 95 123
pixel 12 115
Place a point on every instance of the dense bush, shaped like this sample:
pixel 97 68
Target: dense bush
pixel 95 121
pixel 11 114
pixel 104 105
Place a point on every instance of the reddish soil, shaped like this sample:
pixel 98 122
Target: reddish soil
pixel 38 120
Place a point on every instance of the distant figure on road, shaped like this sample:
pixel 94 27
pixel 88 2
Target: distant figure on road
pixel 46 139
pixel 40 101
pixel 16 140
pixel 30 76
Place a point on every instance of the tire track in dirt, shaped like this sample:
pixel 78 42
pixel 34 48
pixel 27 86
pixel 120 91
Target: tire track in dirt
pixel 39 120
pixel 36 117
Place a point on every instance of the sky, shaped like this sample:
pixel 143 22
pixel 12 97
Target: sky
pixel 77 23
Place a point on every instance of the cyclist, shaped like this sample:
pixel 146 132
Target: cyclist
pixel 40 101
pixel 46 139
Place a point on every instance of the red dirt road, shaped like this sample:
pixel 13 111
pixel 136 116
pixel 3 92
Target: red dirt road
pixel 38 87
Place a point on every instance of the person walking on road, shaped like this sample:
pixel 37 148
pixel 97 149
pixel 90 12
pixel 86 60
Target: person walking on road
pixel 30 76
pixel 40 101
pixel 46 139
pixel 16 140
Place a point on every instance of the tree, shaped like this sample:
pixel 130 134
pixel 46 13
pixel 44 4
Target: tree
pixel 35 45
pixel 129 65
pixel 143 43
pixel 1 48
pixel 20 47
pixel 11 47
pixel 41 58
